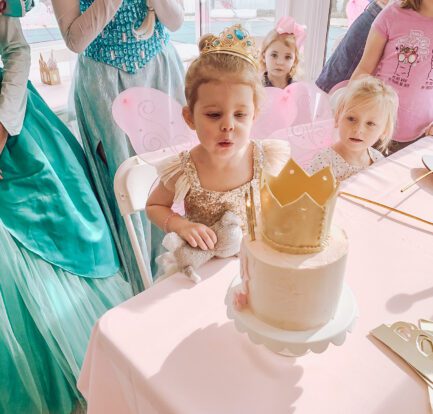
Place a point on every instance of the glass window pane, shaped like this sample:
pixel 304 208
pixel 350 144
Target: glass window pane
pixel 338 24
pixel 257 16
pixel 40 25
pixel 343 13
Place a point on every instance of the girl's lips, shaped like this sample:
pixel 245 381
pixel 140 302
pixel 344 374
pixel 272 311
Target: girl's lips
pixel 355 139
pixel 225 144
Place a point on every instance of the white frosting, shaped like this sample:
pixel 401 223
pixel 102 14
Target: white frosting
pixel 295 292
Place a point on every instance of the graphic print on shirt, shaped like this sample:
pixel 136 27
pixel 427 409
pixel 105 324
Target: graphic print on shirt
pixel 410 50
pixel 407 56
pixel 429 81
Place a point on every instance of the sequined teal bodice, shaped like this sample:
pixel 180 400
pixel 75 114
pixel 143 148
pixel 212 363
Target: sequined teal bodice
pixel 117 46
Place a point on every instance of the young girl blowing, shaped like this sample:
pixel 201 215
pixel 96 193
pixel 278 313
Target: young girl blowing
pixel 222 89
pixel 365 116
pixel 399 51
pixel 279 57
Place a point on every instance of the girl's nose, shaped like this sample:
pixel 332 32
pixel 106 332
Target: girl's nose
pixel 359 129
pixel 227 124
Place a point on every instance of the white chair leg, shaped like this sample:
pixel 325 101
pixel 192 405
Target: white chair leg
pixel 147 280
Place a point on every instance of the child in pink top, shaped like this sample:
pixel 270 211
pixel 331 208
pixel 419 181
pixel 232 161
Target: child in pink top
pixel 399 51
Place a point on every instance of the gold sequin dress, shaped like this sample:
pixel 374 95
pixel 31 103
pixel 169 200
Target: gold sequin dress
pixel 206 206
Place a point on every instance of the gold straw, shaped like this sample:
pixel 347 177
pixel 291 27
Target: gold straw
pixel 344 194
pixel 253 207
pixel 249 217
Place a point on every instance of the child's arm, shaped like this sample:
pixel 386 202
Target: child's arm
pixel 159 211
pixel 372 53
pixel 429 129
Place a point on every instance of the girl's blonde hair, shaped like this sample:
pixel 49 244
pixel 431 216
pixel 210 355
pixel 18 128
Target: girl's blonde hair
pixel 367 91
pixel 220 67
pixel 288 40
pixel 411 4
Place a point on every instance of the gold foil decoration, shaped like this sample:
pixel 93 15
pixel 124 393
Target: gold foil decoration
pixel 296 209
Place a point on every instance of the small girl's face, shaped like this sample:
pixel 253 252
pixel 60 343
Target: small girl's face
pixel 360 127
pixel 279 59
pixel 223 117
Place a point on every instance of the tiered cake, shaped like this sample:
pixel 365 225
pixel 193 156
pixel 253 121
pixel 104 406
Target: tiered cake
pixel 292 273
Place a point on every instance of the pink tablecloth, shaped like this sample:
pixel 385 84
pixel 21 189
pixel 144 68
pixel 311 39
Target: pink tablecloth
pixel 172 349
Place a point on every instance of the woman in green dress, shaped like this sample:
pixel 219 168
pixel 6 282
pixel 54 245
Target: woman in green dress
pixel 59 270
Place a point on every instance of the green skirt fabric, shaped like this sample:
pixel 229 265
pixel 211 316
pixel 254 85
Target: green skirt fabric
pixel 46 199
pixel 59 270
pixel 46 317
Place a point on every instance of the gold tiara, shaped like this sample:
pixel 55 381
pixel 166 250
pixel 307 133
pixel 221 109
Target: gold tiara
pixel 234 40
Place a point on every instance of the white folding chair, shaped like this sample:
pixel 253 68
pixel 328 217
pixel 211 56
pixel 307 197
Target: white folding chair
pixel 132 183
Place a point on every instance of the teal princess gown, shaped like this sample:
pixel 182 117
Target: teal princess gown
pixel 114 61
pixel 59 270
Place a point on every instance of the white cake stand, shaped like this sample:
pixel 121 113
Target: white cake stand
pixel 295 343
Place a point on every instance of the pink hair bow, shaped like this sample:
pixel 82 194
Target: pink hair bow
pixel 288 25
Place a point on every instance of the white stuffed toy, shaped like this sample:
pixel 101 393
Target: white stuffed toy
pixel 181 257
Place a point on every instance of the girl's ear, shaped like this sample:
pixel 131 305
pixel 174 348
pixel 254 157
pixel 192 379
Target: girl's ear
pixel 187 116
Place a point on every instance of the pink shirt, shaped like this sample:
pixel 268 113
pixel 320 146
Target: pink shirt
pixel 407 65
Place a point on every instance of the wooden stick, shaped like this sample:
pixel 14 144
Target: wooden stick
pixel 344 194
pixel 414 182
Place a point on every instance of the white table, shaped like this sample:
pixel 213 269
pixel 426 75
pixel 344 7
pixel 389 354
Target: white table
pixel 172 349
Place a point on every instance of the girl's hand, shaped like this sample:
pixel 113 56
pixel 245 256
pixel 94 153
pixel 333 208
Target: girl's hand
pixel 3 138
pixel 197 234
pixel 429 129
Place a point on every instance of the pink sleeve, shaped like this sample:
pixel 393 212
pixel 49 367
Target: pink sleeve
pixel 381 23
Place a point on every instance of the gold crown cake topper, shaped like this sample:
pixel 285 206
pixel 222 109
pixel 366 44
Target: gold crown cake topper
pixel 296 209
pixel 233 40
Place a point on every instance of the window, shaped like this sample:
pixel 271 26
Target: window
pixel 201 16
pixel 42 33
pixel 343 12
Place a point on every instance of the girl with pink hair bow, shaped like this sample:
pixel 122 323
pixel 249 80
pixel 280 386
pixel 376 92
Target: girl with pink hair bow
pixel 279 57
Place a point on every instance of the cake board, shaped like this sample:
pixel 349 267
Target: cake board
pixel 295 343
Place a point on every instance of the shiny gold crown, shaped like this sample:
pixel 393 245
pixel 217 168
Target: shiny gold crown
pixel 297 209
pixel 234 40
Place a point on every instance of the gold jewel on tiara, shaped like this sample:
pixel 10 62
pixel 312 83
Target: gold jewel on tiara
pixel 234 40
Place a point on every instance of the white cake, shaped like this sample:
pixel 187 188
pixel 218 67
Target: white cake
pixel 294 291
pixel 293 260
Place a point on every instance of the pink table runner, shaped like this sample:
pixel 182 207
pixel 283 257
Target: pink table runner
pixel 172 349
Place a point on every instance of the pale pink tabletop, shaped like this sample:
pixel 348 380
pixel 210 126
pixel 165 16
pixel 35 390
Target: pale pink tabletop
pixel 172 349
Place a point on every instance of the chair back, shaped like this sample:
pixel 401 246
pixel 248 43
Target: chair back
pixel 132 184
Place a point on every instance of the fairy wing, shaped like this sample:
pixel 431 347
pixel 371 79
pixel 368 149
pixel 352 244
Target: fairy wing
pixel 300 114
pixel 153 122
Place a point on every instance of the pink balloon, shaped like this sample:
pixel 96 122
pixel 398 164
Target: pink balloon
pixel 354 8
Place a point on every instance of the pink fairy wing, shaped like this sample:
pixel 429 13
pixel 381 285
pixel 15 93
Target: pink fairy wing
pixel 153 121
pixel 300 114
pixel 276 113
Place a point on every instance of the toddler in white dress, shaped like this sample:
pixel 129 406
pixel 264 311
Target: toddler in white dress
pixel 365 116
